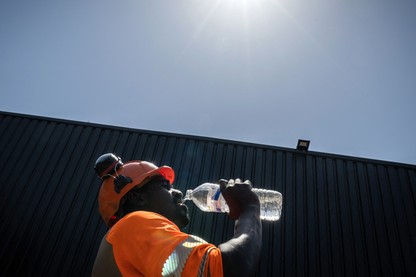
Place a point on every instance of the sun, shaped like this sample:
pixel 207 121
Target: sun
pixel 245 8
pixel 241 12
pixel 232 25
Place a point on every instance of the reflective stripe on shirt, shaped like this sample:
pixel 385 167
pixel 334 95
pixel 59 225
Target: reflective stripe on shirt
pixel 175 264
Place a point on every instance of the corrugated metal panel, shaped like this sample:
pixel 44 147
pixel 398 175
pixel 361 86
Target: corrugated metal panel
pixel 342 216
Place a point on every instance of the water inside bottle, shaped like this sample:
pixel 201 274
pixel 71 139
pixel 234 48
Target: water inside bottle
pixel 208 198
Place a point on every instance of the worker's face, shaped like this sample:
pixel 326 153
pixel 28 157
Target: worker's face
pixel 161 198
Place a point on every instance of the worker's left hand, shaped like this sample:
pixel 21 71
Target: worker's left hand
pixel 239 196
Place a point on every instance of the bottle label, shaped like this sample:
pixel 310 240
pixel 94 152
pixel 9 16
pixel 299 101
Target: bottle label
pixel 215 197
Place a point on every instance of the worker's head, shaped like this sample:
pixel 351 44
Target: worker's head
pixel 137 185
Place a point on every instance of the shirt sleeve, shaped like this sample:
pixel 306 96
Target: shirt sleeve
pixel 204 260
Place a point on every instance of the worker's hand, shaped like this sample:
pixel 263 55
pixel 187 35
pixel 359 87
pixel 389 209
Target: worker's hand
pixel 239 197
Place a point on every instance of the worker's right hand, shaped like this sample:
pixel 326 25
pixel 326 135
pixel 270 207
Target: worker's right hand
pixel 239 197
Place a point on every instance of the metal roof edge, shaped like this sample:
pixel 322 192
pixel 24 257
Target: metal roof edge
pixel 211 139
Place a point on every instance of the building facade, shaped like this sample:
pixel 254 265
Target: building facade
pixel 342 216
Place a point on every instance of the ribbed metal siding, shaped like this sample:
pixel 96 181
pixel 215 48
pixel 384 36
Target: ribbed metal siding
pixel 342 216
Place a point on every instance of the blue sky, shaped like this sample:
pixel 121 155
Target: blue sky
pixel 339 73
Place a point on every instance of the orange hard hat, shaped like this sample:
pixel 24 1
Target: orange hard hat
pixel 119 178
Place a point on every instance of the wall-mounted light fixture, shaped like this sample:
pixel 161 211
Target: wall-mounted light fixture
pixel 303 145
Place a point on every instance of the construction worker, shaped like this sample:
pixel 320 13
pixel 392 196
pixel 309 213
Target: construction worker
pixel 145 214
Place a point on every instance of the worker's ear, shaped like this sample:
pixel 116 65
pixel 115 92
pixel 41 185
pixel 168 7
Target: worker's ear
pixel 137 198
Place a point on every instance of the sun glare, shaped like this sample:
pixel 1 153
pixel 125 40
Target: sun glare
pixel 245 12
pixel 232 24
pixel 243 6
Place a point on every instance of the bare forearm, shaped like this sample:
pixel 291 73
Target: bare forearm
pixel 240 254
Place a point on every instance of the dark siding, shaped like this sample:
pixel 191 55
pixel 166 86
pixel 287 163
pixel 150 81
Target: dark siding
pixel 342 216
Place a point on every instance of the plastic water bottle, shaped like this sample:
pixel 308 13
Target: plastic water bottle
pixel 208 198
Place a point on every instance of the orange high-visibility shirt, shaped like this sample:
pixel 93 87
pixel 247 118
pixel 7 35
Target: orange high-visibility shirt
pixel 148 244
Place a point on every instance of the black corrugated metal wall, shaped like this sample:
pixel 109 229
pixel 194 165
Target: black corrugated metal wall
pixel 342 216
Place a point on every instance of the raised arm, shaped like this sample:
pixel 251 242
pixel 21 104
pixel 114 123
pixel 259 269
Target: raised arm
pixel 240 255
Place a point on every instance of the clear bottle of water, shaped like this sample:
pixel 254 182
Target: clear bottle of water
pixel 208 198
